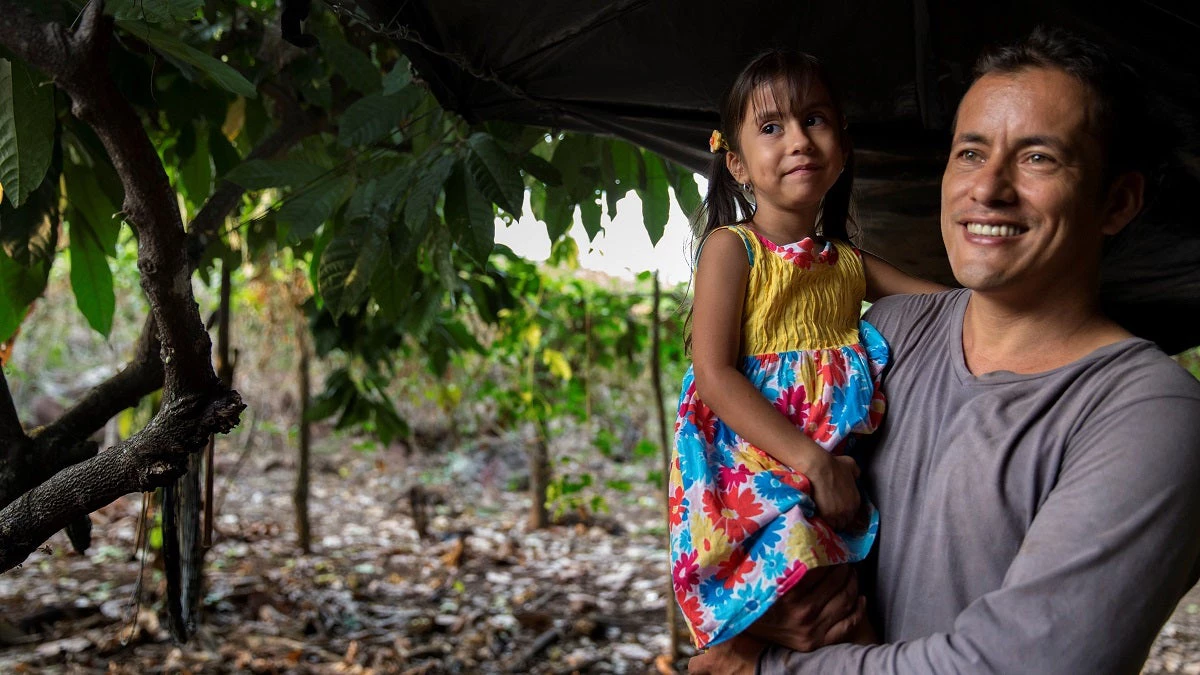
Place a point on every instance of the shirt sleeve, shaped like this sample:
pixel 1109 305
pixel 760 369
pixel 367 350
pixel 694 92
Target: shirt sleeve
pixel 1102 565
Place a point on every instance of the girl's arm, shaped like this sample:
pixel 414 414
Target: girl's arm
pixel 883 280
pixel 716 344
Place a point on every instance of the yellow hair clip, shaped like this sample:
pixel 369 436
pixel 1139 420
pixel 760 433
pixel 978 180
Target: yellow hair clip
pixel 717 142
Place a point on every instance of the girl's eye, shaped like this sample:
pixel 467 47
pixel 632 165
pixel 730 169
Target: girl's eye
pixel 816 119
pixel 771 128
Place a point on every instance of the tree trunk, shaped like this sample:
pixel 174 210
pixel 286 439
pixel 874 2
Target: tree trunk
pixel 539 477
pixel 300 494
pixel 664 441
pixel 195 404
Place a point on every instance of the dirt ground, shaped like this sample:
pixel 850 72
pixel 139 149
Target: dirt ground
pixel 481 594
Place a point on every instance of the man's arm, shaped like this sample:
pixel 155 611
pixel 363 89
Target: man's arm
pixel 1102 566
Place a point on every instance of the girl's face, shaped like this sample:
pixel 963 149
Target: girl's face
pixel 791 158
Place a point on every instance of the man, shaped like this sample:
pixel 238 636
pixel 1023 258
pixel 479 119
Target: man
pixel 1038 473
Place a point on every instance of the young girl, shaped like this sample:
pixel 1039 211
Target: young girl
pixel 783 369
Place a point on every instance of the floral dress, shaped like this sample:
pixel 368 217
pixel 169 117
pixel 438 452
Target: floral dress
pixel 743 526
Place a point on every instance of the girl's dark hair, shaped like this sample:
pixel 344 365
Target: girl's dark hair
pixel 791 77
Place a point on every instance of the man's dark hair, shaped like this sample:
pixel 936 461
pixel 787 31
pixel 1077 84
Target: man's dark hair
pixel 1118 116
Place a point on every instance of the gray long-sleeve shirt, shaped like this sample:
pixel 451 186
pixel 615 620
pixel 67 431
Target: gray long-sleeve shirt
pixel 1043 523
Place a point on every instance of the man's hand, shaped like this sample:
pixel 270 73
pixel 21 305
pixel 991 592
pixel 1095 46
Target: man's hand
pixel 823 608
pixel 738 656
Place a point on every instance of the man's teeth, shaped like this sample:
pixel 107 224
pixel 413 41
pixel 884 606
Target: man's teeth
pixel 993 230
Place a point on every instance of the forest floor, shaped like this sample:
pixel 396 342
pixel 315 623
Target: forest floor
pixel 480 594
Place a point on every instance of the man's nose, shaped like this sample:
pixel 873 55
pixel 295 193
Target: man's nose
pixel 993 183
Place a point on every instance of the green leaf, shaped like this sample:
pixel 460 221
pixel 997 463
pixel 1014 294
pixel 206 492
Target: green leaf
pixel 26 129
pixel 257 174
pixel 19 286
pixel 359 71
pixel 541 169
pixel 88 200
pixel 30 233
pixel 223 74
pixel 628 165
pixel 424 194
pixel 494 173
pixel 683 183
pixel 589 212
pixel 577 159
pixel 154 11
pixel 364 202
pixel 397 78
pixel 304 211
pixel 619 485
pixel 91 278
pixel 348 264
pixel 656 201
pixel 372 117
pixel 225 156
pixel 469 215
pixel 560 209
pixel 196 173
pixel 394 187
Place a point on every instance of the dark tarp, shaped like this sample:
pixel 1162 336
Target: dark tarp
pixel 652 72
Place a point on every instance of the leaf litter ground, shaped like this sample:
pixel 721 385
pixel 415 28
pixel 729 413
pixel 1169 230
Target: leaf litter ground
pixel 480 594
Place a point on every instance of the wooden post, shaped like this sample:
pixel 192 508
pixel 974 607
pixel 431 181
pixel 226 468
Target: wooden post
pixel 225 373
pixel 664 441
pixel 300 494
pixel 539 477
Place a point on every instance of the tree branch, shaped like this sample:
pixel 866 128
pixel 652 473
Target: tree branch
pixel 77 64
pixel 142 375
pixel 62 442
pixel 195 403
pixel 148 460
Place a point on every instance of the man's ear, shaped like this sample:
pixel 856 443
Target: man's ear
pixel 734 163
pixel 1126 196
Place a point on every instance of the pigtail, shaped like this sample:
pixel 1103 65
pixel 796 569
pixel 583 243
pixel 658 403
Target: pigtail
pixel 835 219
pixel 724 204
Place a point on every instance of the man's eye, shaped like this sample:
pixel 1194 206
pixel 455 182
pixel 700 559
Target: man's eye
pixel 969 155
pixel 1039 158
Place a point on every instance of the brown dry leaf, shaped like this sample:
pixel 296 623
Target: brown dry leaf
pixel 453 557
pixel 665 665
pixel 293 657
pixel 351 653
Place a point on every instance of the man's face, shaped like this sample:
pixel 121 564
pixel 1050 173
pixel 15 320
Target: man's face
pixel 1022 205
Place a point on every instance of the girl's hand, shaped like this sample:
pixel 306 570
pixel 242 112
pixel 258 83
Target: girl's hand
pixel 835 491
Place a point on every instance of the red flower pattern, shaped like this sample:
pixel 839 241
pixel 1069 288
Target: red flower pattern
pixel 734 514
pixel 733 570
pixel 793 403
pixel 686 573
pixel 729 477
pixel 675 507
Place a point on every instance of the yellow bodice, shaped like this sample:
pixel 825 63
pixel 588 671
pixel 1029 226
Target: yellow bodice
pixel 803 303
